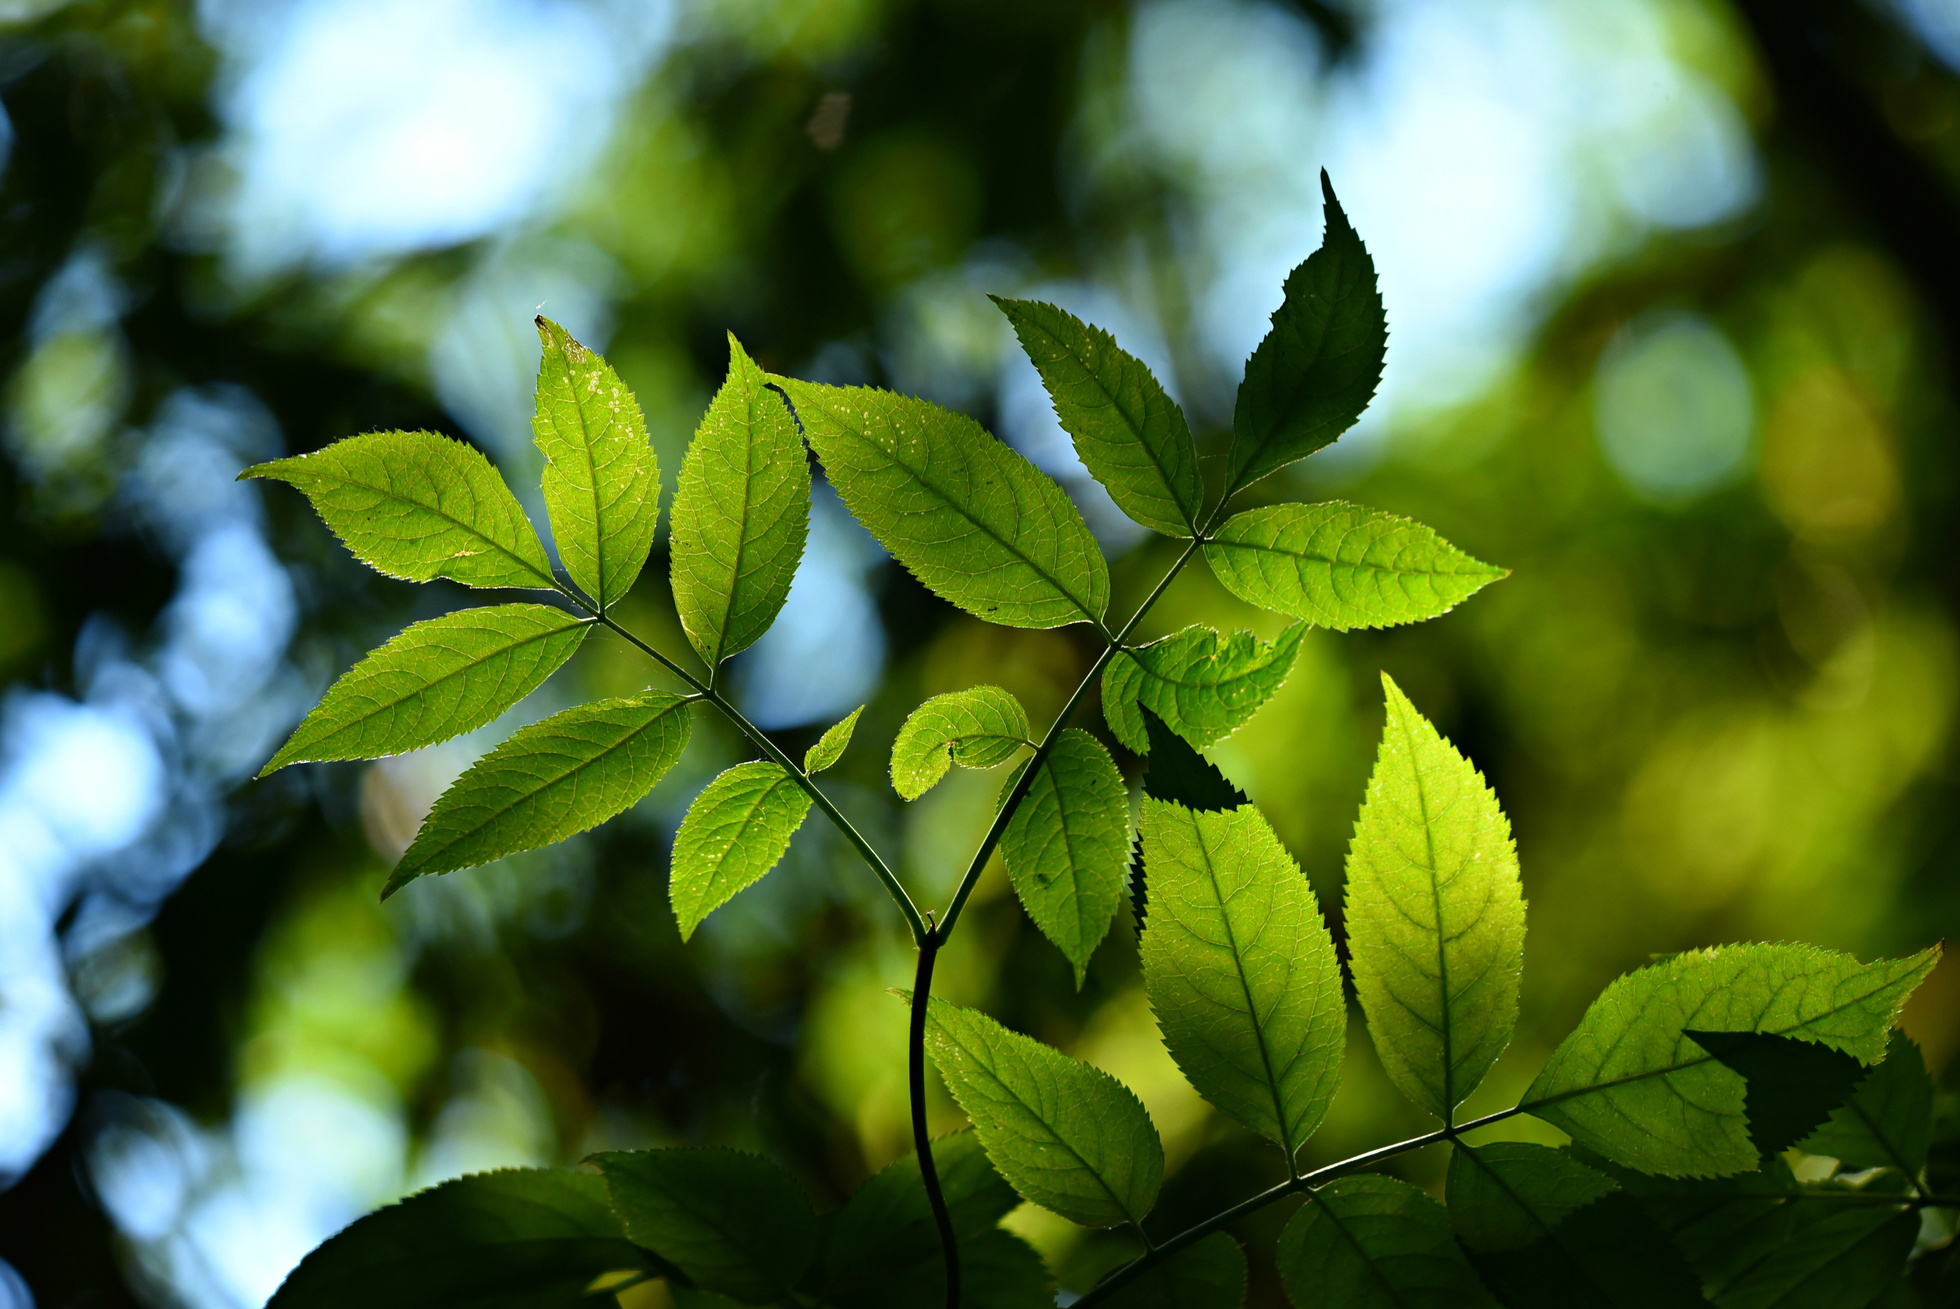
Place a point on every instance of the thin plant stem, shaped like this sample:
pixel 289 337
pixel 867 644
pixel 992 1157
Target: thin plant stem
pixel 921 1140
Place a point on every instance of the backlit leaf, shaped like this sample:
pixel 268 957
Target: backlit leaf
pixel 1888 1122
pixel 549 781
pixel 1064 1134
pixel 435 680
pixel 419 506
pixel 735 1223
pixel 1241 970
pixel 1207 1274
pixel 830 747
pixel 741 514
pixel 1631 1085
pixel 1204 685
pixel 977 728
pixel 1342 566
pixel 1435 914
pixel 1318 367
pixel 1067 845
pixel 1791 1086
pixel 970 517
pixel 1130 435
pixel 1372 1242
pixel 601 477
pixel 736 830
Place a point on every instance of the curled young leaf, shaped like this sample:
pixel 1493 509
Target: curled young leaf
pixel 1204 685
pixel 736 830
pixel 830 747
pixel 1067 845
pixel 977 728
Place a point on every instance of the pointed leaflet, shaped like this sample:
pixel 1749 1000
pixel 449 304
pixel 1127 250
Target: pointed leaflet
pixel 1067 845
pixel 1631 1085
pixel 1208 1274
pixel 1181 775
pixel 1888 1122
pixel 1375 1243
pixel 1548 1232
pixel 830 747
pixel 549 781
pixel 970 517
pixel 736 830
pixel 735 1223
pixel 1206 686
pixel 1791 1086
pixel 1065 1135
pixel 601 477
pixel 433 681
pixel 514 1239
pixel 1130 435
pixel 888 1225
pixel 1435 915
pixel 1240 969
pixel 977 728
pixel 419 506
pixel 741 514
pixel 1319 366
pixel 1342 566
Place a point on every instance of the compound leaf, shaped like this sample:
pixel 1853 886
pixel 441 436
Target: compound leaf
pixel 1204 685
pixel 419 506
pixel 1630 1083
pixel 1342 566
pixel 741 514
pixel 888 1225
pixel 1241 970
pixel 1435 914
pixel 1068 844
pixel 1318 367
pixel 601 476
pixel 518 1238
pixel 549 781
pixel 435 680
pixel 970 517
pixel 1888 1122
pixel 735 1223
pixel 1372 1242
pixel 1181 775
pixel 736 830
pixel 1130 435
pixel 1208 1274
pixel 830 747
pixel 976 728
pixel 1064 1134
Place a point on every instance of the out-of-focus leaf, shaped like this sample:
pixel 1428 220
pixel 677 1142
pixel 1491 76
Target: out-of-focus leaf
pixel 549 781
pixel 975 728
pixel 741 514
pixel 435 680
pixel 1203 685
pixel 733 1222
pixel 419 506
pixel 1888 1122
pixel 1371 1242
pixel 736 830
pixel 1208 1274
pixel 1067 845
pixel 973 519
pixel 830 747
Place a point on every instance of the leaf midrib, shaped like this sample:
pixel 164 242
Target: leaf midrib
pixel 439 512
pixel 1245 988
pixel 1445 1027
pixel 1359 566
pixel 1354 1241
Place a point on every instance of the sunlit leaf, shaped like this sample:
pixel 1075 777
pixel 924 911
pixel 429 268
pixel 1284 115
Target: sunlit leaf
pixel 736 830
pixel 1373 1242
pixel 1130 435
pixel 977 728
pixel 1204 685
pixel 436 680
pixel 741 514
pixel 1207 1274
pixel 419 506
pixel 549 781
pixel 972 518
pixel 735 1223
pixel 1068 844
pixel 830 747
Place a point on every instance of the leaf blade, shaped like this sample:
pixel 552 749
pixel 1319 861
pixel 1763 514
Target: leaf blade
pixel 1203 684
pixel 830 747
pixel 734 1222
pixel 1888 1122
pixel 980 727
pixel 1208 1274
pixel 736 830
pixel 1068 845
pixel 1372 1242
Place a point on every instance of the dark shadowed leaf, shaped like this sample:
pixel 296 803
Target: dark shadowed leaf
pixel 1208 1274
pixel 1181 775
pixel 1374 1242
pixel 735 1223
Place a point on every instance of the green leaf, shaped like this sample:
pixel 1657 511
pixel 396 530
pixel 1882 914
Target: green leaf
pixel 735 1223
pixel 1240 969
pixel 435 680
pixel 1791 1086
pixel 1837 1257
pixel 1208 1274
pixel 419 506
pixel 1888 1122
pixel 1371 1242
pixel 1342 566
pixel 515 1239
pixel 1204 685
pixel 972 519
pixel 1631 1085
pixel 1435 914
pixel 1130 435
pixel 1319 366
pixel 736 830
pixel 980 727
pixel 741 514
pixel 1068 844
pixel 1548 1232
pixel 888 1225
pixel 830 747
pixel 1064 1134
pixel 998 1270
pixel 549 781
pixel 1179 774
pixel 601 477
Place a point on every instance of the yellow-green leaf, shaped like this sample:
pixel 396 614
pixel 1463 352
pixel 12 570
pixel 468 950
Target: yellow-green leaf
pixel 1068 846
pixel 1203 685
pixel 830 747
pixel 736 830
pixel 977 728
